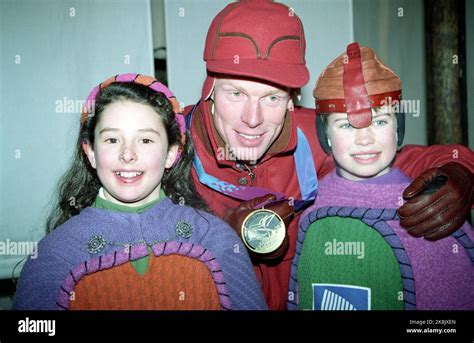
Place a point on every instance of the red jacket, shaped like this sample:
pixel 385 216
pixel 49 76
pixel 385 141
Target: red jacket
pixel 276 172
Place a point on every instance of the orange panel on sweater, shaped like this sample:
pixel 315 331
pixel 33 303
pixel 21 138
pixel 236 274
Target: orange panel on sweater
pixel 171 282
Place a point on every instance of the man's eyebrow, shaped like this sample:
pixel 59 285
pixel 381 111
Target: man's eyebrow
pixel 236 87
pixel 278 92
pixel 339 119
pixel 242 89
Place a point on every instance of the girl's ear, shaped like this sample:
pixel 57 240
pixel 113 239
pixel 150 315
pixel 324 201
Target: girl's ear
pixel 89 153
pixel 172 155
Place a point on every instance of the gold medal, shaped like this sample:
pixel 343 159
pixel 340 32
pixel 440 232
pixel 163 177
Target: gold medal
pixel 263 231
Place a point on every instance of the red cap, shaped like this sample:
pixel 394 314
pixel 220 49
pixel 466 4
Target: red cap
pixel 259 39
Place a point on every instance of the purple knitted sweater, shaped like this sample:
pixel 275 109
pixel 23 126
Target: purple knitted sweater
pixel 66 254
pixel 443 270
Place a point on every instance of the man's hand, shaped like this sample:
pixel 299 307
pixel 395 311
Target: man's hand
pixel 235 218
pixel 438 201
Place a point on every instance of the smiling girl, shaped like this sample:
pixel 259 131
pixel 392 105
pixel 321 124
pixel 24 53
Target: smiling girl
pixel 351 252
pixel 366 152
pixel 129 231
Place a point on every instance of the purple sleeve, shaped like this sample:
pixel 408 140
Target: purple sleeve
pixel 41 277
pixel 244 289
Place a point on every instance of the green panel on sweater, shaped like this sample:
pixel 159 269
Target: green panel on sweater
pixel 346 251
pixel 141 264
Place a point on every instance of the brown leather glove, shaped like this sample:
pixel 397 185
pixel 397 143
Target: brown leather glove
pixel 438 201
pixel 235 218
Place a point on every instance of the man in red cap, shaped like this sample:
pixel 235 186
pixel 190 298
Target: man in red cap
pixel 255 149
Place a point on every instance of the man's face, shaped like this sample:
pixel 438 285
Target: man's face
pixel 367 152
pixel 249 115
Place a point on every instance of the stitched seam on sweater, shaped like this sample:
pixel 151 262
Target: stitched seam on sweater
pixel 221 287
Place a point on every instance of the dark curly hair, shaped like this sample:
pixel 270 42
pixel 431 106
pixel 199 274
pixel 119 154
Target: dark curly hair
pixel 78 187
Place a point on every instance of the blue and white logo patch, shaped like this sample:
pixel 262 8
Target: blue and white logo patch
pixel 334 297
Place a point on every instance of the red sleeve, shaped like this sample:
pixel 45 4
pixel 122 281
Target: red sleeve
pixel 325 164
pixel 305 119
pixel 414 159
